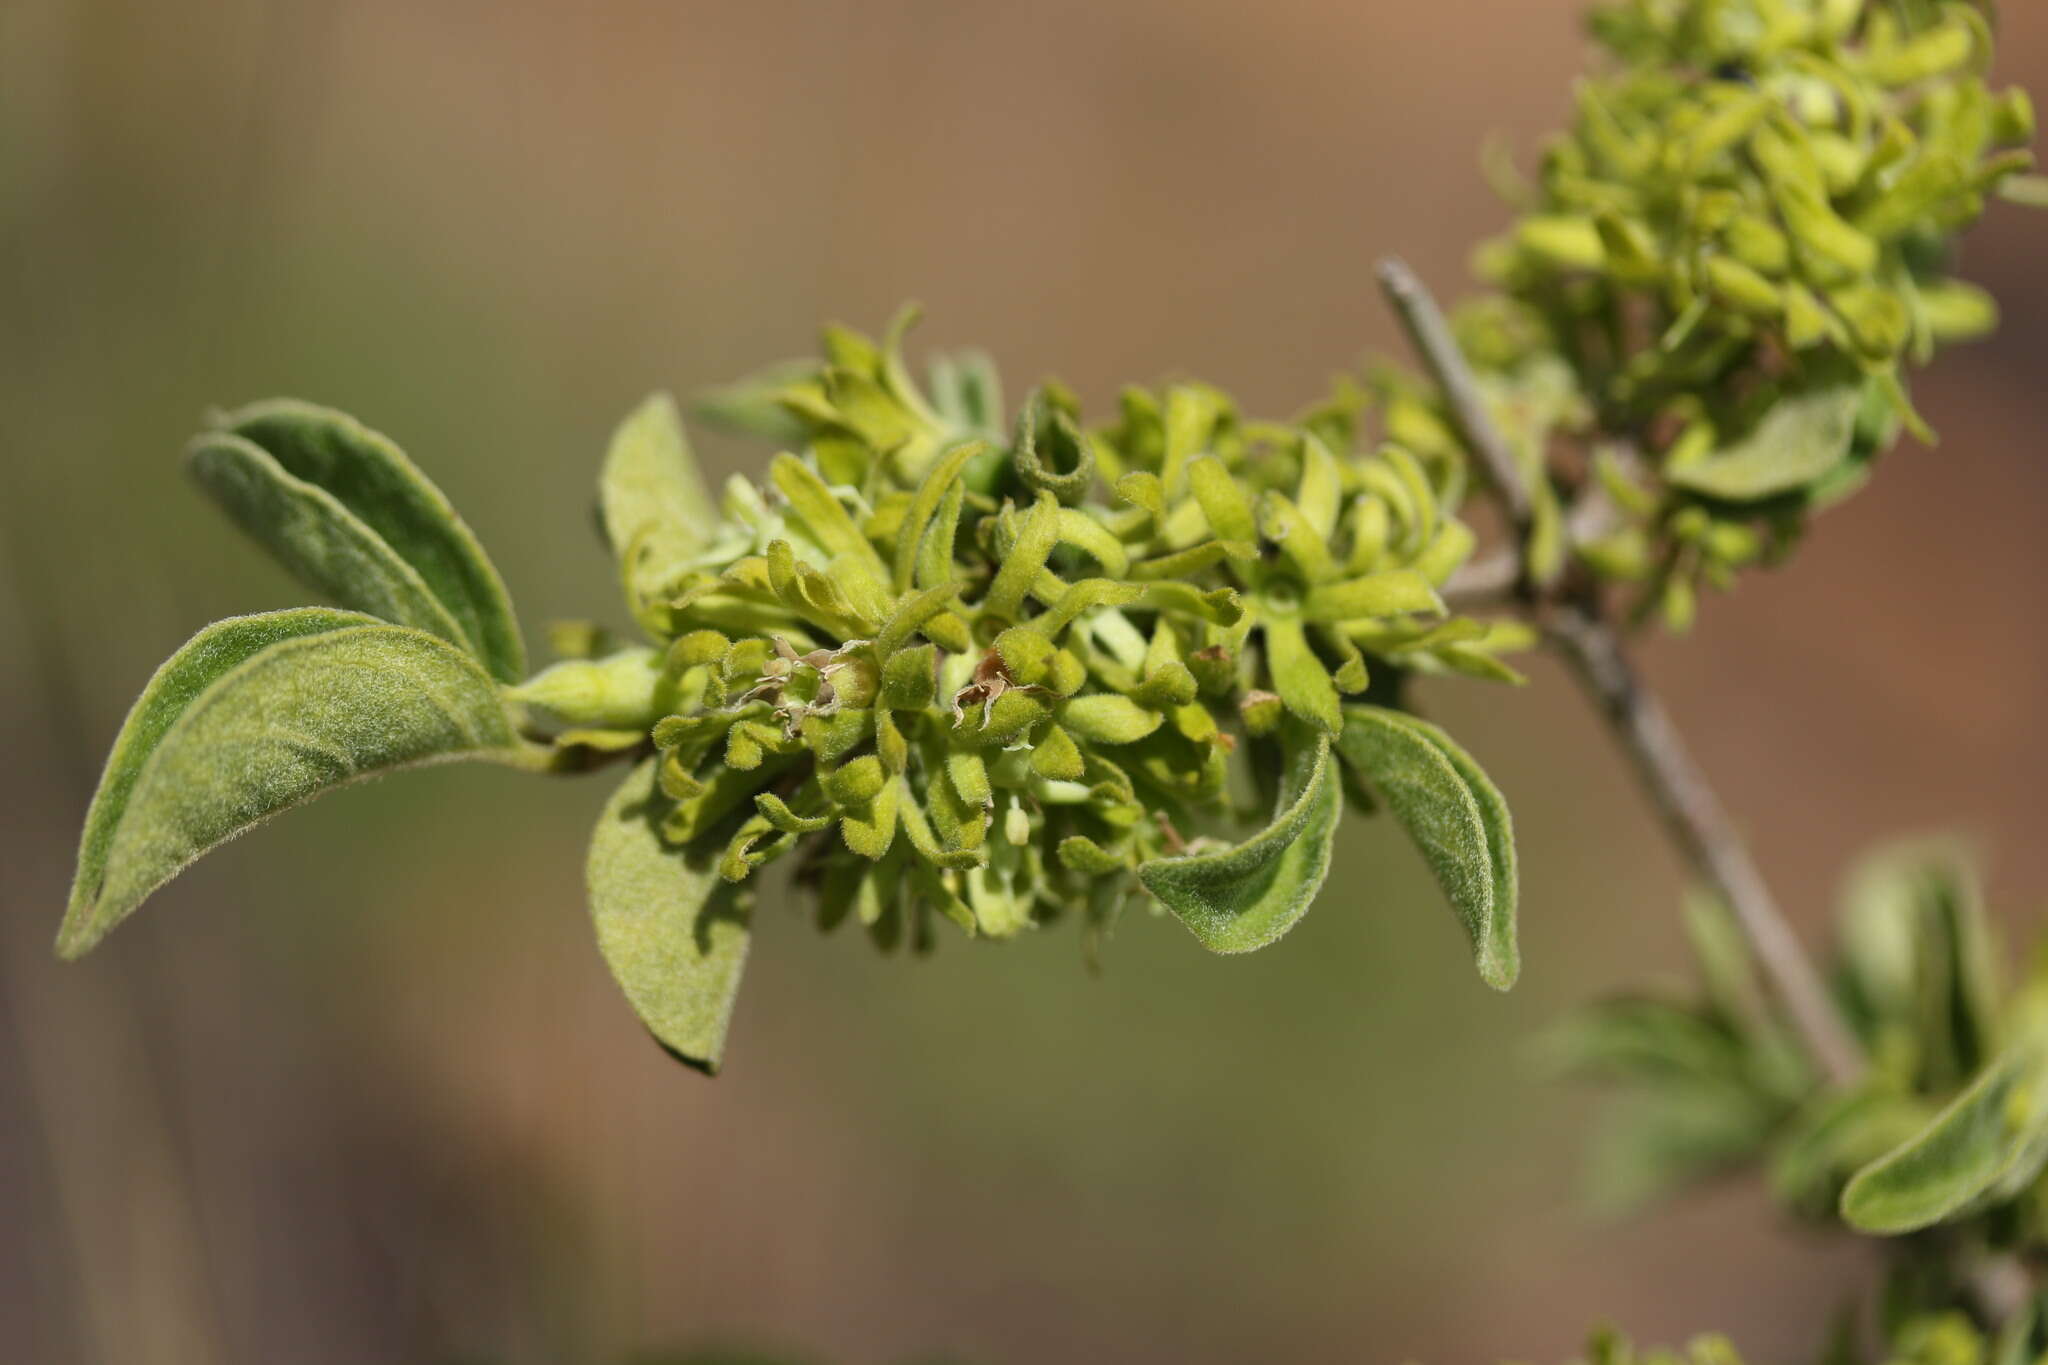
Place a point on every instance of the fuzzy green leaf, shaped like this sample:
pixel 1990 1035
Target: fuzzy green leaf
pixel 1457 818
pixel 366 473
pixel 1801 439
pixel 672 931
pixel 657 512
pixel 327 547
pixel 256 715
pixel 1245 897
pixel 1987 1145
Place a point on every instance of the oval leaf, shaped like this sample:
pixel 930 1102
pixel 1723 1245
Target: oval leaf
pixel 1987 1145
pixel 1456 817
pixel 255 716
pixel 1245 897
pixel 672 931
pixel 326 546
pixel 368 474
pixel 657 512
pixel 1801 439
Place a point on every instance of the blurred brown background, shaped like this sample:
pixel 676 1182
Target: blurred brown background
pixel 359 1088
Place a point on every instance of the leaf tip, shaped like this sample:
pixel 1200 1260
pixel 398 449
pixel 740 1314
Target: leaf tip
pixel 1501 970
pixel 703 1065
pixel 79 934
pixel 1857 1212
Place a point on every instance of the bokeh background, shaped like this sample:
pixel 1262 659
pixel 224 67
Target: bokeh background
pixel 359 1088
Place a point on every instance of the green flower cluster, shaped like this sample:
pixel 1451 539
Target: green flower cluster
pixel 1723 268
pixel 994 671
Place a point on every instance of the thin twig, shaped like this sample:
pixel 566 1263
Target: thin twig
pixel 1432 339
pixel 1679 790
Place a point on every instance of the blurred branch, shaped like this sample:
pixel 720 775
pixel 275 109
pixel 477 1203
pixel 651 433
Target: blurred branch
pixel 1691 810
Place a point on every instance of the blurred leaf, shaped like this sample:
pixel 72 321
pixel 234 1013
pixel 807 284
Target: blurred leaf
pixel 365 472
pixel 1985 1146
pixel 1836 1135
pixel 1918 954
pixel 967 392
pixel 657 512
pixel 1773 1059
pixel 672 931
pixel 256 715
pixel 1662 1140
pixel 753 406
pixel 1457 818
pixel 1245 897
pixel 1799 440
pixel 1727 967
pixel 1639 1038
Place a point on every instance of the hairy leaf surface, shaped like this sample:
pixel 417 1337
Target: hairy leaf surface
pixel 368 474
pixel 326 546
pixel 1457 818
pixel 256 715
pixel 1245 897
pixel 672 931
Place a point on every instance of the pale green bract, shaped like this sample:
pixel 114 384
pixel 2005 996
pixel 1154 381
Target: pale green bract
pixel 259 714
pixel 672 931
